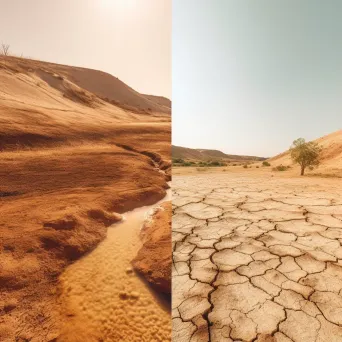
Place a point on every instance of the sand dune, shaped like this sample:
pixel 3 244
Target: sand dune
pixel 70 162
pixel 101 84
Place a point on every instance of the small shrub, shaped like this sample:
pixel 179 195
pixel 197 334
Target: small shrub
pixel 245 166
pixel 266 163
pixel 201 169
pixel 311 168
pixel 280 168
pixel 257 166
pixel 178 161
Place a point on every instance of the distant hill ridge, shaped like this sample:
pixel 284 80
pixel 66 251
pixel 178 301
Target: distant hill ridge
pixel 206 154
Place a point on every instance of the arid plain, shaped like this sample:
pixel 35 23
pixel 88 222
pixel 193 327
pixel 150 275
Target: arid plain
pixel 257 253
pixel 79 149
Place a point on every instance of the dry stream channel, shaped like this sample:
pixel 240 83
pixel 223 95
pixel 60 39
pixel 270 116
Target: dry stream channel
pixel 104 299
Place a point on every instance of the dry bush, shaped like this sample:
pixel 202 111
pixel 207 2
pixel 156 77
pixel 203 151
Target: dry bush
pixel 4 50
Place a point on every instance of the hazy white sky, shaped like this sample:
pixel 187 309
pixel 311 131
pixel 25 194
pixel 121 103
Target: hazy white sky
pixel 251 76
pixel 130 39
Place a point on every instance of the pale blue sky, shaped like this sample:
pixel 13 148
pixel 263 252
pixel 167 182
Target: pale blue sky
pixel 249 77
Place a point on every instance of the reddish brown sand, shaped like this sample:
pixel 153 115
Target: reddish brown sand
pixel 154 258
pixel 70 163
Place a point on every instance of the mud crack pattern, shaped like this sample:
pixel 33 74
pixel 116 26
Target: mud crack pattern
pixel 257 259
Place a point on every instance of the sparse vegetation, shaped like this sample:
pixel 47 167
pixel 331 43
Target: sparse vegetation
pixel 206 164
pixel 182 162
pixel 325 175
pixel 281 168
pixel 245 166
pixel 305 154
pixel 4 51
pixel 177 161
pixel 217 163
pixel 266 163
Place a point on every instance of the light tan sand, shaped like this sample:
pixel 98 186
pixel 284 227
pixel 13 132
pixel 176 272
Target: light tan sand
pixel 105 300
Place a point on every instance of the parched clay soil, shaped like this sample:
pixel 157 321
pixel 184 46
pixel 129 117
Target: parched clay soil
pixel 256 258
pixel 105 300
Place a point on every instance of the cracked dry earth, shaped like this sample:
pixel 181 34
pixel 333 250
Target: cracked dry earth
pixel 257 259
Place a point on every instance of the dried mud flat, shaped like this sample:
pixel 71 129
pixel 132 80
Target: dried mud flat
pixel 257 258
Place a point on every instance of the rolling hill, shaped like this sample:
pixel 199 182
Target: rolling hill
pixel 198 154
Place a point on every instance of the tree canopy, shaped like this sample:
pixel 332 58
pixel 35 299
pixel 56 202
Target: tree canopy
pixel 305 153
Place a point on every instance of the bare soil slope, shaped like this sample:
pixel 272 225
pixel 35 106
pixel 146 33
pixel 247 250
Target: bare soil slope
pixel 70 163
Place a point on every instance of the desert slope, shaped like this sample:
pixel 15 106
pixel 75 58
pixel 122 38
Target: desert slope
pixel 205 154
pixel 99 83
pixel 70 163
pixel 331 159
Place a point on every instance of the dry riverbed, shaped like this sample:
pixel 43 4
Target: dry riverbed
pixel 105 300
pixel 256 258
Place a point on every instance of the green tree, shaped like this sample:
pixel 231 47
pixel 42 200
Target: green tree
pixel 305 154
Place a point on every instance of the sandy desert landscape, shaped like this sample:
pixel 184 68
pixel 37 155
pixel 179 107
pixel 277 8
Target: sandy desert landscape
pixel 79 149
pixel 257 253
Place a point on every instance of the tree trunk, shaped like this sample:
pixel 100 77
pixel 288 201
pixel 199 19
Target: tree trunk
pixel 302 170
